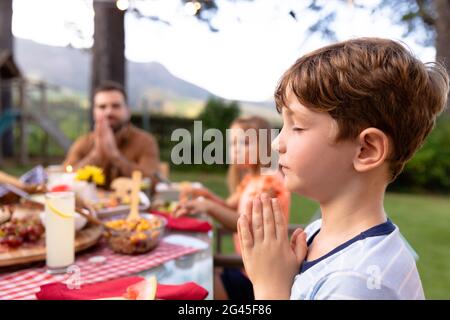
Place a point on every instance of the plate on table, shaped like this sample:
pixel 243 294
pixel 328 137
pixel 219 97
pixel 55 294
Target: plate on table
pixel 107 206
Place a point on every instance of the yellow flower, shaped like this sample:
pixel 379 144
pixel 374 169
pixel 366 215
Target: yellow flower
pixel 91 174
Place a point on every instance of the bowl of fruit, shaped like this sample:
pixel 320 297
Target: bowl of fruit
pixel 135 236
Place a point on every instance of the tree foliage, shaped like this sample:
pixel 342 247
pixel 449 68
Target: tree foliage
pixel 219 114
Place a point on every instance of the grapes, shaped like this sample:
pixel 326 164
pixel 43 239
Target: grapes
pixel 34 232
pixel 9 228
pixel 22 231
pixel 16 232
pixel 13 241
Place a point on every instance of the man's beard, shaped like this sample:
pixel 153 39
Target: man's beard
pixel 118 126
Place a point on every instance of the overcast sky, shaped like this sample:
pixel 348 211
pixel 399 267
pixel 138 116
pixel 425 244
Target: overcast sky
pixel 257 40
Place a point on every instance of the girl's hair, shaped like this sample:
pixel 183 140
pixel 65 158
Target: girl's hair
pixel 236 173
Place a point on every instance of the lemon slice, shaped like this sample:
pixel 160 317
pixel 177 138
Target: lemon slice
pixel 58 212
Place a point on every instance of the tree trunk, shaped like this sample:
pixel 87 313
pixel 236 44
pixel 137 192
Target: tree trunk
pixel 6 43
pixel 443 34
pixel 108 56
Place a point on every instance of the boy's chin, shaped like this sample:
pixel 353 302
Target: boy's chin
pixel 291 183
pixel 295 185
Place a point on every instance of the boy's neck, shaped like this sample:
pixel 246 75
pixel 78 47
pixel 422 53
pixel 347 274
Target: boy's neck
pixel 352 212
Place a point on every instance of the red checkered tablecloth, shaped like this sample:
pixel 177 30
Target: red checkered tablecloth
pixel 24 284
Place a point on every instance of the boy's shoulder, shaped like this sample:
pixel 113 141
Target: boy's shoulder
pixel 380 261
pixel 381 246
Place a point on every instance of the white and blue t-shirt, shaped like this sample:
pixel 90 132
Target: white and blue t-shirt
pixel 376 264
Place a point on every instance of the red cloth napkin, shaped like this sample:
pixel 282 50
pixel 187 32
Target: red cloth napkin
pixel 117 288
pixel 184 223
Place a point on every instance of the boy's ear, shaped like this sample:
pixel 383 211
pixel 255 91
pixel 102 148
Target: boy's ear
pixel 373 149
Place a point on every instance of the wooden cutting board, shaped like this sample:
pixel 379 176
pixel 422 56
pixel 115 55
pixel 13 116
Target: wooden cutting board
pixel 84 239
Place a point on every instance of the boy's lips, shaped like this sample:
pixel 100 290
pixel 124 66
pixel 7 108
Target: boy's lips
pixel 282 167
pixel 282 164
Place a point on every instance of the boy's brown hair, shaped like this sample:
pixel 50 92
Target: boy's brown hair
pixel 371 82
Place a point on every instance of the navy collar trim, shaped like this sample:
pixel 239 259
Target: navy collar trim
pixel 378 230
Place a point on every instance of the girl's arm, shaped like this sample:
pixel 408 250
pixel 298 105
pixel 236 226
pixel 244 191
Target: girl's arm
pixel 227 216
pixel 223 214
pixel 233 200
pixel 188 193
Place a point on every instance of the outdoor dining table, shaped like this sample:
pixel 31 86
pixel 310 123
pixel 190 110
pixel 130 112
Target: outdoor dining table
pixel 197 267
pixel 179 258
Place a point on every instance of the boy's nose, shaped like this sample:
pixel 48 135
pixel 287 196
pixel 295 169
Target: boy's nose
pixel 278 144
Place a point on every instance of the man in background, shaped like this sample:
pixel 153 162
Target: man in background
pixel 115 145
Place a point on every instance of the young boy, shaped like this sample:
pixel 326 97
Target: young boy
pixel 353 114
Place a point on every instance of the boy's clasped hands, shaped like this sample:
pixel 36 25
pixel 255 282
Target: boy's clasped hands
pixel 271 261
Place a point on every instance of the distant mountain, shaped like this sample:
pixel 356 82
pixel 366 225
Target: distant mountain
pixel 70 68
pixel 57 65
pixel 141 76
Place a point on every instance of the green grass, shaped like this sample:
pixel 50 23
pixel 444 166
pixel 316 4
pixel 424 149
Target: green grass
pixel 424 221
